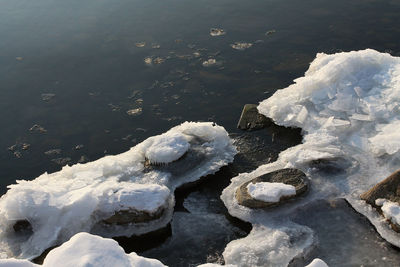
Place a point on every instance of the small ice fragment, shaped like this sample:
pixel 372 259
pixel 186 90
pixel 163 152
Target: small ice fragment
pixel 48 96
pixel 210 62
pixel 270 32
pixel 25 146
pixel 302 116
pixel 19 58
pixel 360 117
pixel 61 161
pixel 270 192
pixel 359 91
pixel 196 54
pixel 53 152
pixel 148 60
pixel 134 112
pixel 37 128
pixel 114 107
pixel 217 32
pixel 80 146
pixel 317 263
pixel 241 46
pixel 155 46
pixel 17 154
pixel 83 159
pixel 140 44
pixel 158 60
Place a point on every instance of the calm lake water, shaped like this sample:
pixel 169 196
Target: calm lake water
pixel 75 68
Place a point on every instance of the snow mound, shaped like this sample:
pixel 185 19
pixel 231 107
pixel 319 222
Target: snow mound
pixel 270 192
pixel 166 148
pixel 81 197
pixel 317 263
pixel 84 249
pixel 348 106
pixel 391 210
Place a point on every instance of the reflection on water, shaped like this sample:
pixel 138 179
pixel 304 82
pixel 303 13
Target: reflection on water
pixel 79 80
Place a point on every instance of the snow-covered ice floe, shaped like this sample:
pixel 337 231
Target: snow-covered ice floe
pixel 126 194
pixel 348 107
pixel 84 249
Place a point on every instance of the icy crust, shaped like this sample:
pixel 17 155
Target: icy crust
pixel 79 197
pixel 140 197
pixel 84 249
pixel 270 192
pixel 265 246
pixel 347 105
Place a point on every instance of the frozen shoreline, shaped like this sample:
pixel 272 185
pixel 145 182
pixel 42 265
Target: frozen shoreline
pixel 81 197
pixel 347 105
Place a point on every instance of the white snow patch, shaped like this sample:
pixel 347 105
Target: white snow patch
pixel 391 210
pixel 166 148
pixel 79 197
pixel 270 192
pixel 317 263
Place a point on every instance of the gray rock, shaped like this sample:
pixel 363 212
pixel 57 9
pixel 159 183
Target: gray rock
pixel 134 216
pixel 251 119
pixel 293 177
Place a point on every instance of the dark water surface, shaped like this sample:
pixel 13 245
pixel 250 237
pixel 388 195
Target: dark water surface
pixel 82 55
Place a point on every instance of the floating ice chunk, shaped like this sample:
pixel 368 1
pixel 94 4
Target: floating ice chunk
pixel 317 263
pixel 241 46
pixel 158 60
pixel 391 210
pixel 148 61
pixel 48 96
pixel 83 196
pixel 140 44
pixel 210 62
pixel 217 32
pixel 166 148
pixel 134 112
pixel 270 192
